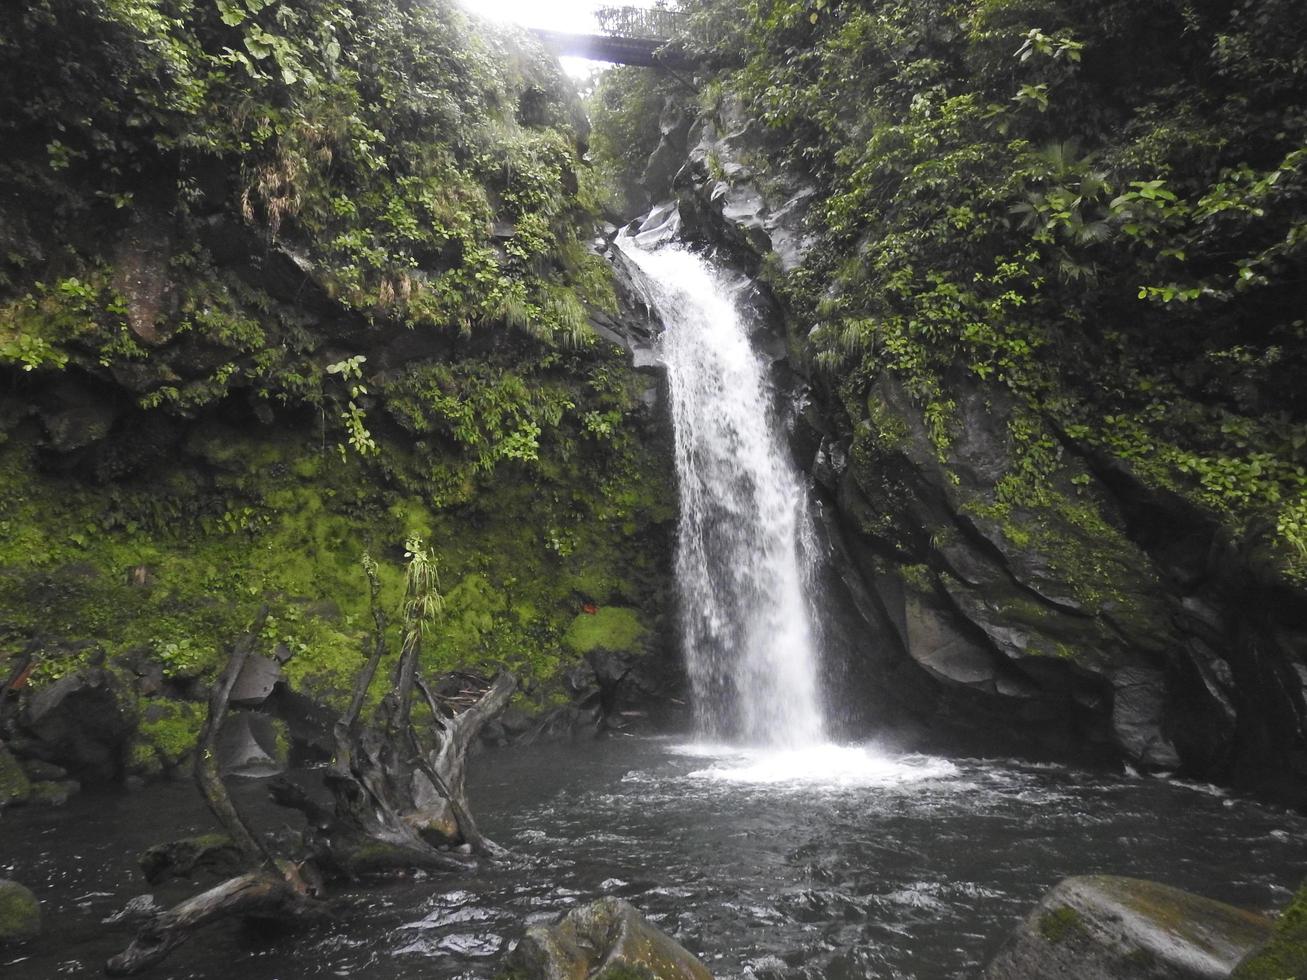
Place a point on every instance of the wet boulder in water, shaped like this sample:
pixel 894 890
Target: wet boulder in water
pixel 605 940
pixel 1100 927
pixel 20 913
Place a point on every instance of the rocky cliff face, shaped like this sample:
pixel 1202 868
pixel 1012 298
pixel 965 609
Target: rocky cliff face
pixel 1101 616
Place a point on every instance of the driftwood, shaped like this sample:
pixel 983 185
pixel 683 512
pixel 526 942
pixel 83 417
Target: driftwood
pixel 22 667
pixel 398 793
pixel 398 799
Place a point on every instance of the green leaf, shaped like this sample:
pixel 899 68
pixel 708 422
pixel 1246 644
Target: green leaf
pixel 231 14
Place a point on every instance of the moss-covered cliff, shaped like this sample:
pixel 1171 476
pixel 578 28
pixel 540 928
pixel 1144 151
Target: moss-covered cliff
pixel 284 283
pixel 1043 265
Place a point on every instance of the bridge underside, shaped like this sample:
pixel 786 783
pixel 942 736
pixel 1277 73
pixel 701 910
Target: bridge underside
pixel 639 51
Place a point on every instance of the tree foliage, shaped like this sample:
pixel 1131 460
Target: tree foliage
pixel 1099 206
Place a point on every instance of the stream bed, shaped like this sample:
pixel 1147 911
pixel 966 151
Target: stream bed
pixel 832 862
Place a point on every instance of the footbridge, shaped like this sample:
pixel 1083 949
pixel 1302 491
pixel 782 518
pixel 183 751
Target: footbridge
pixel 638 36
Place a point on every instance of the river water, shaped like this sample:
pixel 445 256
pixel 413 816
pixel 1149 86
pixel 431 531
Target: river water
pixel 835 863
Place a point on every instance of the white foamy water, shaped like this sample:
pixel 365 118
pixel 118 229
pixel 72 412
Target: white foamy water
pixel 827 766
pixel 747 630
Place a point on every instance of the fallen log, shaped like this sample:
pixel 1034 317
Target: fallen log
pixel 281 895
pixel 397 792
pixel 278 889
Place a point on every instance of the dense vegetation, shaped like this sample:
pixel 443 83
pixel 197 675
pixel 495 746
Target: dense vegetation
pixel 1097 207
pixel 281 283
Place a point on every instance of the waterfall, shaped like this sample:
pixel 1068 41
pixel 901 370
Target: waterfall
pixel 748 631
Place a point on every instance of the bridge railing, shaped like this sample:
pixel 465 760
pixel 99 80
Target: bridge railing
pixel 655 23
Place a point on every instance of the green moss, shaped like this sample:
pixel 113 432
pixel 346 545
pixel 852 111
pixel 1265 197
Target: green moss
pixel 611 628
pixel 1284 957
pixel 1060 924
pixel 918 577
pixel 166 735
pixel 267 532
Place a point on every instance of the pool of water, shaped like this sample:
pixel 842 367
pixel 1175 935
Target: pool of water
pixel 840 862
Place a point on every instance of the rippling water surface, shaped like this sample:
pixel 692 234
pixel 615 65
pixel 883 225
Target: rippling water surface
pixel 833 862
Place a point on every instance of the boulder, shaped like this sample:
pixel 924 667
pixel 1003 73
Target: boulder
pixel 255 682
pixel 20 913
pixel 605 940
pixel 14 785
pixel 80 724
pixel 214 855
pixel 55 792
pixel 1101 927
pixel 250 744
pixel 1138 713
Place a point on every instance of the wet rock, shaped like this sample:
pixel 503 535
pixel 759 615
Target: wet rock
pixel 212 854
pixel 20 913
pixel 250 744
pixel 39 771
pixel 667 158
pixel 15 787
pixel 255 682
pixel 54 792
pixel 936 644
pixel 75 415
pixel 605 940
pixel 81 724
pixel 1101 927
pixel 1138 710
pixel 515 721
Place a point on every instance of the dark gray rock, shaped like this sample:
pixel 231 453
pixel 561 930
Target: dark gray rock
pixel 605 940
pixel 669 155
pixel 249 745
pixel 41 771
pixel 255 683
pixel 936 644
pixel 82 723
pixel 1138 713
pixel 1101 927
pixel 54 792
pixel 75 415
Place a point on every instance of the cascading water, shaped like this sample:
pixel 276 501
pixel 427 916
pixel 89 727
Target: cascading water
pixel 740 565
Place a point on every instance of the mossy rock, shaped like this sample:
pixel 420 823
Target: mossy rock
pixel 14 784
pixel 20 913
pixel 605 940
pixel 167 734
pixel 55 792
pixel 1127 929
pixel 613 628
pixel 1284 955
